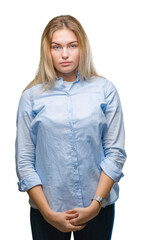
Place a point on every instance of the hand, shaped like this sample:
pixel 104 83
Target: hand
pixel 60 220
pixel 85 214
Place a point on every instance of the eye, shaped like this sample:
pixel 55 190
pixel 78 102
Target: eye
pixel 55 47
pixel 73 46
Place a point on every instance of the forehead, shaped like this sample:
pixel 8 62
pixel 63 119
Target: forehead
pixel 63 36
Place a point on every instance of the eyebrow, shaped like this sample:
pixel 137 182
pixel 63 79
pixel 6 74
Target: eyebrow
pixel 60 44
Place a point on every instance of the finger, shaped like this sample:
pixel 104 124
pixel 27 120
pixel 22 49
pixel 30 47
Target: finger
pixel 78 228
pixel 71 211
pixel 81 227
pixel 71 216
pixel 74 222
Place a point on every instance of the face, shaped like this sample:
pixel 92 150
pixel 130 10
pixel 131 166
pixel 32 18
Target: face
pixel 65 53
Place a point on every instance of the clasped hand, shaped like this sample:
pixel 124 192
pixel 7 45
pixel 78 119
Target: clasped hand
pixel 74 219
pixel 84 214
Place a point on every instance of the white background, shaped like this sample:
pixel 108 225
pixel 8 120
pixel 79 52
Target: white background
pixel 114 30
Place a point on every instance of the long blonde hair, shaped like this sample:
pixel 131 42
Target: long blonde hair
pixel 46 72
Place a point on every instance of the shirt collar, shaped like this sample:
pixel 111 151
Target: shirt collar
pixel 59 83
pixel 77 75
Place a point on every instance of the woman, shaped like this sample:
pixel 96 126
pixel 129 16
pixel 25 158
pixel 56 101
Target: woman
pixel 70 139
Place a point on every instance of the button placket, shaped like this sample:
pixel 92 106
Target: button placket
pixel 74 155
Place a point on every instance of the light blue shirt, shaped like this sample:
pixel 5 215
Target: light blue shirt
pixel 66 137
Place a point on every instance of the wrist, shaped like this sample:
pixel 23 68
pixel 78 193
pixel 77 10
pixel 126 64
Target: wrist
pixel 49 215
pixel 94 208
pixel 102 201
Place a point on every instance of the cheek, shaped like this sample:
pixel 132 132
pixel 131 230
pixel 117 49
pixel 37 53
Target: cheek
pixel 54 57
pixel 77 57
pixel 78 54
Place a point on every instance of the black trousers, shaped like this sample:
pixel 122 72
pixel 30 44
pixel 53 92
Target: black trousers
pixel 98 228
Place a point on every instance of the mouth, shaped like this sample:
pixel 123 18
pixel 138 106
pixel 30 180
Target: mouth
pixel 65 63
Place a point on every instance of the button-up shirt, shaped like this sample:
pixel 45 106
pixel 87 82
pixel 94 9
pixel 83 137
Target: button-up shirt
pixel 66 137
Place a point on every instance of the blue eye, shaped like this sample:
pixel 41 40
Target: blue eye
pixel 56 47
pixel 73 46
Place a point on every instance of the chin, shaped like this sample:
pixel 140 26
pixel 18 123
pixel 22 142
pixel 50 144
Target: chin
pixel 67 70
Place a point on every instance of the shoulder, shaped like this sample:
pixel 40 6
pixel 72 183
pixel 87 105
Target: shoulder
pixel 27 96
pixel 31 91
pixel 102 81
pixel 109 90
pixel 103 84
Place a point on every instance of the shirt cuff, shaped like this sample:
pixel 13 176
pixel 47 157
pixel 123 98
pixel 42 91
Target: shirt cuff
pixel 29 182
pixel 111 170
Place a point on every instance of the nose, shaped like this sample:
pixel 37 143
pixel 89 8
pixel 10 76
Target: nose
pixel 65 53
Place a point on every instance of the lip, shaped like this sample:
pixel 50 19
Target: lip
pixel 65 63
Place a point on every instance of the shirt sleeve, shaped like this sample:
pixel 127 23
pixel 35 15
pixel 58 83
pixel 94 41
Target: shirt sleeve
pixel 113 137
pixel 24 146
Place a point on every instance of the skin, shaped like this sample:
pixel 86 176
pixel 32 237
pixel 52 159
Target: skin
pixel 64 47
pixel 86 214
pixel 73 219
pixel 60 220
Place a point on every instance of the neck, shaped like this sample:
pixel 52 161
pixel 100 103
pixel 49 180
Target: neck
pixel 69 77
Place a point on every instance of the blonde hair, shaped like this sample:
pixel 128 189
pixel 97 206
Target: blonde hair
pixel 46 72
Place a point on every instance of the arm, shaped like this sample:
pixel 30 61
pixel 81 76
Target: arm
pixel 88 213
pixel 103 190
pixel 24 146
pixel 38 197
pixel 57 219
pixel 29 179
pixel 113 137
pixel 104 186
